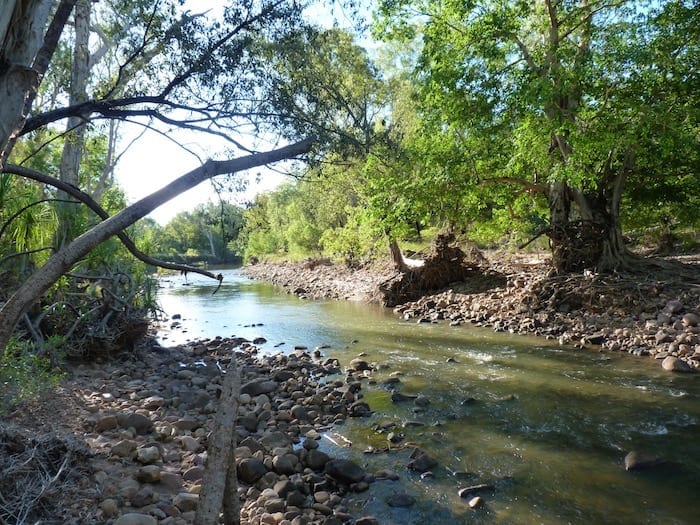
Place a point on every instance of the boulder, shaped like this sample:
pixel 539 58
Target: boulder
pixel 133 518
pixel 316 459
pixel 123 448
pixel 345 470
pixel 108 422
pixel 140 423
pixel 674 364
pixel 636 461
pixel 250 470
pixel 359 365
pixel 476 502
pixel 147 455
pixel 359 409
pixel 186 502
pixel 400 500
pixel 673 307
pixel 144 496
pixel 285 464
pixel 421 401
pixel 691 319
pixel 149 474
pixel 275 440
pixel 259 386
pixel 422 462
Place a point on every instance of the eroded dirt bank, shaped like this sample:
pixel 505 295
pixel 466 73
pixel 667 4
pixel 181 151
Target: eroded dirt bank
pixel 642 316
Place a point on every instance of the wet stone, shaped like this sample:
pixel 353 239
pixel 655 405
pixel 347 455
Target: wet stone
pixel 400 500
pixel 344 470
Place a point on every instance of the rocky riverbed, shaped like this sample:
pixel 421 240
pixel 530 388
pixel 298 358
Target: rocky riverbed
pixel 124 443
pixel 648 316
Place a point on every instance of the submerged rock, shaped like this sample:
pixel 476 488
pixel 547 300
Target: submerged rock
pixel 636 461
pixel 400 500
pixel 422 462
pixel 345 471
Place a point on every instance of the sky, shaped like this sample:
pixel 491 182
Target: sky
pixel 153 161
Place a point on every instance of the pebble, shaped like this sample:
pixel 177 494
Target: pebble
pixel 133 518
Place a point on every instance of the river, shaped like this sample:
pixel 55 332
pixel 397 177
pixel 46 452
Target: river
pixel 547 427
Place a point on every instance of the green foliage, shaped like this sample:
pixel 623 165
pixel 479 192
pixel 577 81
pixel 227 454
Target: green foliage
pixel 322 82
pixel 28 372
pixel 505 105
pixel 205 234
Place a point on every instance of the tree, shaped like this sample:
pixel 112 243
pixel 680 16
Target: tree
pixel 65 258
pixel 216 77
pixel 548 92
pixel 206 233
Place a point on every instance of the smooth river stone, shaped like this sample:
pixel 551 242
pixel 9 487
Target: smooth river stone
pixel 637 461
pixel 673 364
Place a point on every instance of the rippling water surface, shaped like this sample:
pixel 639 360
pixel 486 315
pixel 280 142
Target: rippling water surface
pixel 547 427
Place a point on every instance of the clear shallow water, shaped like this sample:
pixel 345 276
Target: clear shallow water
pixel 548 427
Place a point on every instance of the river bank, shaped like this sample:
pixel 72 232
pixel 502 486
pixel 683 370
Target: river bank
pixel 124 442
pixel 646 317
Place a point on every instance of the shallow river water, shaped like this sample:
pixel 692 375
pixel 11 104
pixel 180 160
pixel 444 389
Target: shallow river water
pixel 546 427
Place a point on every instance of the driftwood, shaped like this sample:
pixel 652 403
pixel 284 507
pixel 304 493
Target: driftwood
pixel 445 265
pixel 220 482
pixel 38 474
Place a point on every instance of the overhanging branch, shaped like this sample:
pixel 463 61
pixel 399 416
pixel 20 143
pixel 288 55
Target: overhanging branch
pixel 86 199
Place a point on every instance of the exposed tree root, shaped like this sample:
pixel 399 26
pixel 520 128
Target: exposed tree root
pixel 99 316
pixel 446 264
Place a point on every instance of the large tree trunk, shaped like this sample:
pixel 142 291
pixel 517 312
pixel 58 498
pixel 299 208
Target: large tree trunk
pixel 63 260
pixel 593 241
pixel 75 127
pixel 22 25
pixel 559 200
pixel 397 257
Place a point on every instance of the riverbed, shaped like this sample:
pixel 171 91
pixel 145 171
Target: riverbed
pixel 545 427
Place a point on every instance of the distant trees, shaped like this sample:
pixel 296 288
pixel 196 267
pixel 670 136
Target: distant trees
pixel 207 233
pixel 497 119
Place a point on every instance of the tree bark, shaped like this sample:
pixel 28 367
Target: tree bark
pixel 22 25
pixel 63 260
pixel 559 202
pixel 220 482
pixel 90 202
pixel 75 127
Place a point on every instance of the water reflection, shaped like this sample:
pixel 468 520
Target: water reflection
pixel 547 427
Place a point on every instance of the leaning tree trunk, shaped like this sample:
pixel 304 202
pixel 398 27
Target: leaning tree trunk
pixel 397 257
pixel 63 260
